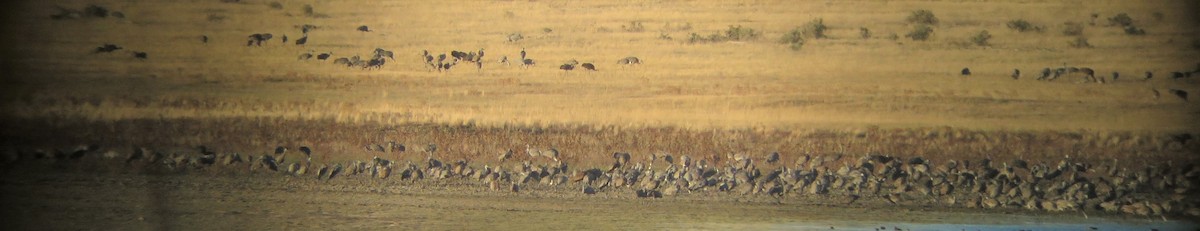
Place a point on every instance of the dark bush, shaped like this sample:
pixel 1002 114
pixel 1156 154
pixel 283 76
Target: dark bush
pixel 1133 30
pixel 920 32
pixel 923 17
pixel 1020 25
pixel 816 28
pixel 981 39
pixel 1121 19
pixel 794 38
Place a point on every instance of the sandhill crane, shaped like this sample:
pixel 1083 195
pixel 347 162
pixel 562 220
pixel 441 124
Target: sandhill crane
pixel 1090 75
pixel 302 40
pixel 588 66
pixel 343 61
pixel 966 71
pixel 527 62
pixel 773 157
pixel 1016 74
pixel 204 39
pixel 305 56
pixel 551 153
pixel 1045 74
pixel 1115 75
pixel 522 53
pixel 504 60
pixel 324 56
pixel 567 67
pixel 284 38
pixel 505 155
pixel 629 60
pixel 140 55
pixel 1149 75
pixel 364 28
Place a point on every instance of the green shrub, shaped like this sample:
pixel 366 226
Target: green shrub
pixel 1073 29
pixel 816 28
pixel 634 26
pixel 981 39
pixel 1080 42
pixel 1020 25
pixel 1121 19
pixel 740 33
pixel 920 32
pixel 794 38
pixel 1133 30
pixel 923 17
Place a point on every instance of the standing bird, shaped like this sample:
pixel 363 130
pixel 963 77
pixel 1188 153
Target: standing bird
pixel 1016 74
pixel 302 40
pixel 305 56
pixel 567 67
pixel 522 53
pixel 107 48
pixel 966 71
pixel 1115 76
pixel 284 39
pixel 1045 74
pixel 140 55
pixel 324 56
pixel 1180 93
pixel 588 66
pixel 504 60
pixel 364 28
pixel 204 39
pixel 1148 76
pixel 527 63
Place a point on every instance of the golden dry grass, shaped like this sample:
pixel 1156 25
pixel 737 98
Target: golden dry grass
pixel 843 84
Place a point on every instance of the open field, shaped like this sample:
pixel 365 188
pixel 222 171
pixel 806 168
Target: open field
pixel 843 95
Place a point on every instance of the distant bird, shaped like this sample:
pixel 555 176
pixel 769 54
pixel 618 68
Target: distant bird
pixel 302 40
pixel 522 53
pixel 364 28
pixel 307 152
pixel 567 67
pixel 324 56
pixel 629 60
pixel 1115 76
pixel 107 48
pixel 966 71
pixel 527 62
pixel 284 38
pixel 140 55
pixel 588 66
pixel 1148 76
pixel 305 56
pixel 204 39
pixel 1180 93
pixel 505 155
pixel 306 28
pixel 1016 74
pixel 504 60
pixel 773 157
pixel 1045 74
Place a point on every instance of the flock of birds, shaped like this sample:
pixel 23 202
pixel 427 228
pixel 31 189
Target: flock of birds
pixel 1152 191
pixel 1089 76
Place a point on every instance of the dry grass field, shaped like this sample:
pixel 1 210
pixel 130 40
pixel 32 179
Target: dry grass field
pixel 843 94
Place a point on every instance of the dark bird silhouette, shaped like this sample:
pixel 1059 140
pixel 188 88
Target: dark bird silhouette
pixel 966 71
pixel 567 67
pixel 1180 93
pixel 284 38
pixel 302 40
pixel 364 28
pixel 140 55
pixel 204 38
pixel 1016 74
pixel 324 56
pixel 588 66
pixel 107 48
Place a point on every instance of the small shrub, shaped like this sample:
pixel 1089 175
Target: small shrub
pixel 740 33
pixel 893 36
pixel 1020 25
pixel 1080 42
pixel 1133 30
pixel 816 28
pixel 923 17
pixel 1073 29
pixel 864 32
pixel 276 5
pixel 920 32
pixel 1121 19
pixel 634 26
pixel 794 38
pixel 981 39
